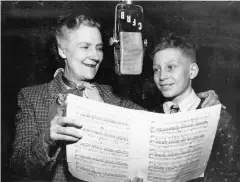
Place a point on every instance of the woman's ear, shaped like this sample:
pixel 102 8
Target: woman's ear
pixel 61 52
pixel 193 70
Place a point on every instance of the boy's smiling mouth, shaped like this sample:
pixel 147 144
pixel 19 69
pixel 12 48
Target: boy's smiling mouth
pixel 166 86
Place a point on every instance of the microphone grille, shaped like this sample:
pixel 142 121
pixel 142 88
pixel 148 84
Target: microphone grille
pixel 131 53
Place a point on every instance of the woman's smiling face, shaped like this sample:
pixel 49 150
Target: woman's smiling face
pixel 82 53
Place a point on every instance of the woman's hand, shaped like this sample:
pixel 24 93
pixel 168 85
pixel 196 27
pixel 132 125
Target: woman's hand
pixel 136 179
pixel 211 98
pixel 62 129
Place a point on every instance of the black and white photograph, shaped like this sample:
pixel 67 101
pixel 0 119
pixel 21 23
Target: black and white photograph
pixel 120 91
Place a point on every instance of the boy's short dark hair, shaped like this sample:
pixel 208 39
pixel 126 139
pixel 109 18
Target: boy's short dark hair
pixel 187 46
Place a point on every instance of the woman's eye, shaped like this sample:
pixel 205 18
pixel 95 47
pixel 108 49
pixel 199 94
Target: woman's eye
pixel 83 47
pixel 99 48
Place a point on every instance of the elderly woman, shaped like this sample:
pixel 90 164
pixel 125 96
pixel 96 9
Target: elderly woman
pixel 41 130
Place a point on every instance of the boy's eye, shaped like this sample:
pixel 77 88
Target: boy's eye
pixel 171 67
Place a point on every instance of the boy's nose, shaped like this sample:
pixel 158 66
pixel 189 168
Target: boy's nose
pixel 163 75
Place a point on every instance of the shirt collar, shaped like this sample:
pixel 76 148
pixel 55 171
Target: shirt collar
pixel 189 103
pixel 90 91
pixel 86 84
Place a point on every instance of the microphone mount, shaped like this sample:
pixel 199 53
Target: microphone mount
pixel 115 40
pixel 128 41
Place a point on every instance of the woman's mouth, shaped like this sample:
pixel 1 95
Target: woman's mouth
pixel 90 65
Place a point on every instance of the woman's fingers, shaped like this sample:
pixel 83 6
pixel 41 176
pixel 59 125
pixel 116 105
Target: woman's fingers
pixel 66 121
pixel 65 129
pixel 137 179
pixel 65 138
pixel 69 131
pixel 223 106
pixel 210 98
pixel 207 96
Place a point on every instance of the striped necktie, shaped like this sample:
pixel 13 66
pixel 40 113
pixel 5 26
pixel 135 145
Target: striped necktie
pixel 174 109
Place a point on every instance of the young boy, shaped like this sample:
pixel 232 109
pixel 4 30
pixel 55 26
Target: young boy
pixel 175 67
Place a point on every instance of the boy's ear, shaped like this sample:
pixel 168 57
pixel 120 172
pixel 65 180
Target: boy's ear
pixel 193 70
pixel 61 52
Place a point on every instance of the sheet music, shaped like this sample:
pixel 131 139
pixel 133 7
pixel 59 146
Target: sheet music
pixel 120 143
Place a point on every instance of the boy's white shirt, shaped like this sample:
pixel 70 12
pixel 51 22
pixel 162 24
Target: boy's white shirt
pixel 191 102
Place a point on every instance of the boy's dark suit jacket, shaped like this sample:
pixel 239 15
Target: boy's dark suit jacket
pixel 30 159
pixel 224 161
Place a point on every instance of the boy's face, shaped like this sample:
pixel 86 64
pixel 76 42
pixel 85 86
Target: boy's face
pixel 172 73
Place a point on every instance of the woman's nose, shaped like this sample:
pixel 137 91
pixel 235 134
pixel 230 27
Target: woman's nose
pixel 93 53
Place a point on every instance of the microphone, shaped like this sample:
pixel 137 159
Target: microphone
pixel 128 40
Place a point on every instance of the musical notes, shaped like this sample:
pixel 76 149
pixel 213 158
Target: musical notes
pixel 120 143
pixel 176 148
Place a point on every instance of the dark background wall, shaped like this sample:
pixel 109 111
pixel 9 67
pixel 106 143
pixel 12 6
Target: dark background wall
pixel 28 58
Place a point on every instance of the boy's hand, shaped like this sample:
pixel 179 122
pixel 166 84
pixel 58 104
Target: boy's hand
pixel 136 179
pixel 211 98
